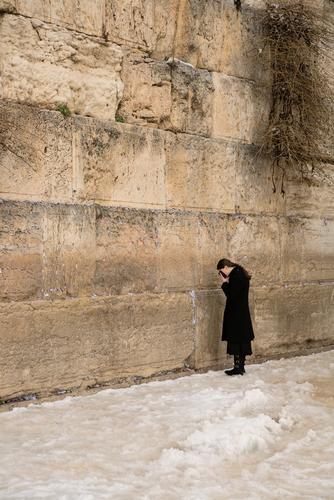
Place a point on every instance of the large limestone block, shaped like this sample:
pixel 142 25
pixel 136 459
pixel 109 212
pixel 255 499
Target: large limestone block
pixel 318 249
pixel 307 249
pixel 209 307
pixel 147 97
pixel 35 154
pixel 257 186
pixel 68 250
pixel 81 15
pixel 240 109
pixel 254 242
pixel 119 164
pixel 46 250
pixel 200 174
pixel 306 199
pixel 145 24
pixel 171 95
pixel 59 344
pixel 292 318
pixel 216 36
pixel 292 236
pixel 192 99
pixel 47 66
pixel 126 251
pixel 21 250
pixel 177 250
pixel 212 246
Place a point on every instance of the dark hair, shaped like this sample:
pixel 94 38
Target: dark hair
pixel 226 262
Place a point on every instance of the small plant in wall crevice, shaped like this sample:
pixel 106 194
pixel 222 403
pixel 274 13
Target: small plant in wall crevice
pixel 64 110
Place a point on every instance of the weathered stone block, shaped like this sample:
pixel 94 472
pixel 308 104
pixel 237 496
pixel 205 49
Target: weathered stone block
pixel 119 164
pixel 79 342
pixel 287 319
pixel 254 183
pixel 68 250
pixel 177 250
pixel 317 198
pixel 47 66
pixel 216 36
pixel 255 240
pixel 209 308
pixel 317 249
pixel 192 95
pixel 240 109
pixel 213 245
pixel 143 24
pixel 21 243
pixel 147 95
pixel 291 267
pixel 81 15
pixel 126 251
pixel 35 154
pixel 307 249
pixel 200 173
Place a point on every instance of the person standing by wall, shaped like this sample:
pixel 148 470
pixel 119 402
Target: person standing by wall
pixel 237 323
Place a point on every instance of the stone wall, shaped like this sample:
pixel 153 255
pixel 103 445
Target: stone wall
pixel 113 219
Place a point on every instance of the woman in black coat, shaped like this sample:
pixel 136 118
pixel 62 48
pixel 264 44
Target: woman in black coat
pixel 237 323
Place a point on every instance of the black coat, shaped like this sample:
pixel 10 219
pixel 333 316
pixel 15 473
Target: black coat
pixel 237 323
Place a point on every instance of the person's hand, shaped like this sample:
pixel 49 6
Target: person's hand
pixel 222 279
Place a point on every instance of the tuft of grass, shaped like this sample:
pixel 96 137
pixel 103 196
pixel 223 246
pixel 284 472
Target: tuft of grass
pixel 119 118
pixel 64 110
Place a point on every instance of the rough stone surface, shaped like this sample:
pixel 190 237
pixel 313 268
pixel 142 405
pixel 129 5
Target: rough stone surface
pixel 210 350
pixel 21 243
pixel 81 15
pixel 145 24
pixel 240 109
pixel 48 66
pixel 289 318
pixel 119 164
pixel 35 154
pixel 200 174
pixel 215 36
pixel 59 344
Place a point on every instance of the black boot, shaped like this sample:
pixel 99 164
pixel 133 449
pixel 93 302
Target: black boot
pixel 238 369
pixel 242 364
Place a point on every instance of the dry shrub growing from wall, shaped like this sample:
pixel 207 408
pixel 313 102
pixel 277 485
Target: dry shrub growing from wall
pixel 298 46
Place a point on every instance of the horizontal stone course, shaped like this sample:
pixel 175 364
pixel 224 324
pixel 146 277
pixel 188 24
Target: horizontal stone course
pixel 59 344
pixel 46 157
pixel 54 250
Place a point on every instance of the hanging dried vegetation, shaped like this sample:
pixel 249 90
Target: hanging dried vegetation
pixel 298 44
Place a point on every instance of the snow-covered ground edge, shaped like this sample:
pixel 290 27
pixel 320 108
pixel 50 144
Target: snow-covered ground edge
pixel 268 434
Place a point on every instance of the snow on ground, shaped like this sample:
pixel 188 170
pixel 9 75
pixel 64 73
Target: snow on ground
pixel 268 434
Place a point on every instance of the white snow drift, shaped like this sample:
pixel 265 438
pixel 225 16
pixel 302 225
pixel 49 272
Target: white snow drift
pixel 268 434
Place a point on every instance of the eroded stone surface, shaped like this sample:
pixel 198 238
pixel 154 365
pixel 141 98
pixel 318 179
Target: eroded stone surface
pixel 48 66
pixel 200 174
pixel 35 154
pixel 216 36
pixel 209 308
pixel 288 318
pixel 81 15
pixel 148 25
pixel 21 243
pixel 76 343
pixel 119 164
